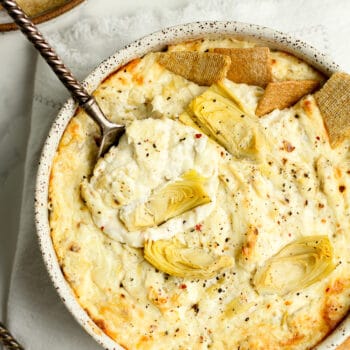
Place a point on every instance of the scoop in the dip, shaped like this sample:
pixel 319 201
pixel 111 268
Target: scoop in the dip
pixel 160 180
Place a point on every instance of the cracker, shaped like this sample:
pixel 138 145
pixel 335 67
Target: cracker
pixel 284 94
pixel 250 66
pixel 333 100
pixel 203 68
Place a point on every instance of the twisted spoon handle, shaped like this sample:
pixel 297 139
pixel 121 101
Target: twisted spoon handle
pixel 8 340
pixel 33 34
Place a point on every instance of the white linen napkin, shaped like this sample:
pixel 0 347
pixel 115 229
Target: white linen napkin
pixel 36 316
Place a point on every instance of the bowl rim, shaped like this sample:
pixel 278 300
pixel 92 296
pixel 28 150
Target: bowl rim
pixel 154 42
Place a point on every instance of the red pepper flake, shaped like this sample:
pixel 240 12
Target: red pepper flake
pixel 342 188
pixel 198 227
pixel 102 228
pixel 287 146
pixel 183 286
pixel 198 136
pixel 222 154
pixel 327 289
pixel 289 235
pixel 317 138
pixel 307 104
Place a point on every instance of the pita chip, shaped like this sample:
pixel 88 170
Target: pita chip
pixel 250 66
pixel 333 100
pixel 203 68
pixel 284 94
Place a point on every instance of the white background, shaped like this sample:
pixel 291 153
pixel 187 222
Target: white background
pixel 17 72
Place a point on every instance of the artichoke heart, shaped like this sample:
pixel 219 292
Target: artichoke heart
pixel 296 266
pixel 220 118
pixel 176 259
pixel 173 199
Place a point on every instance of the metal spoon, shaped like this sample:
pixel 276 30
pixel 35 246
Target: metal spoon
pixel 110 132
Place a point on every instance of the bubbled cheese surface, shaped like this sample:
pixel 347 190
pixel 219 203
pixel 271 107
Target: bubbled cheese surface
pixel 300 187
pixel 152 153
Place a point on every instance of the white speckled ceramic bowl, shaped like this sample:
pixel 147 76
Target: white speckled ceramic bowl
pixel 154 42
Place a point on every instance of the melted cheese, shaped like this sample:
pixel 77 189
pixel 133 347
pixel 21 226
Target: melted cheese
pixel 152 153
pixel 299 187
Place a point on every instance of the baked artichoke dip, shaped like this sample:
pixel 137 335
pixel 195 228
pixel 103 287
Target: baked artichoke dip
pixel 221 219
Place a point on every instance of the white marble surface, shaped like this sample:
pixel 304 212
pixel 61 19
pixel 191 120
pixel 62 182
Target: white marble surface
pixel 328 19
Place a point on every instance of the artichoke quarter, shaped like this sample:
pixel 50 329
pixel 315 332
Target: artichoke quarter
pixel 296 266
pixel 220 118
pixel 176 259
pixel 169 201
